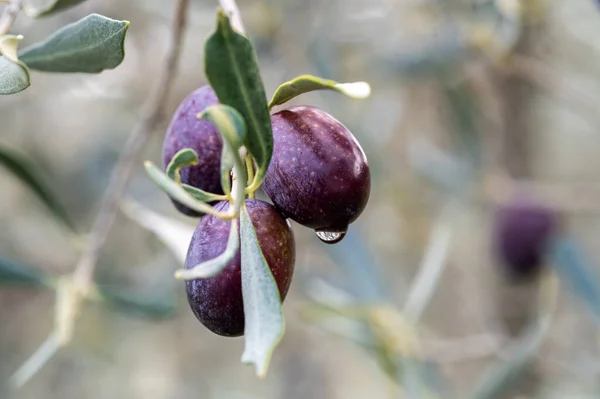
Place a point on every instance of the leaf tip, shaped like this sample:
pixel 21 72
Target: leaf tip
pixel 358 90
pixel 179 274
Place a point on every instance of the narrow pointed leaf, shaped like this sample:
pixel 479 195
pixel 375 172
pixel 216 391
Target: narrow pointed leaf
pixel 231 67
pixel 91 45
pixel 307 83
pixel 215 265
pixel 14 77
pixel 16 273
pixel 175 235
pixel 265 324
pixel 573 266
pixel 183 158
pixel 24 169
pixel 42 8
pixel 230 124
pixel 137 305
pixel 176 191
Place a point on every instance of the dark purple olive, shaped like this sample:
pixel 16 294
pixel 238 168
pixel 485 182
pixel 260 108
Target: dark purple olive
pixel 522 231
pixel 187 131
pixel 319 175
pixel 217 301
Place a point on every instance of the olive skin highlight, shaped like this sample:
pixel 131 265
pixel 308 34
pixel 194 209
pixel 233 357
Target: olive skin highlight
pixel 217 301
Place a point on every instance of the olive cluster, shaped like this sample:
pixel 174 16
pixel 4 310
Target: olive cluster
pixel 318 176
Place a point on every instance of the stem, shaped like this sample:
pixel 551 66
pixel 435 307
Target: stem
pixel 84 270
pixel 230 7
pixel 252 187
pixel 10 15
pixel 122 173
pixel 431 268
pixel 239 179
pixel 250 171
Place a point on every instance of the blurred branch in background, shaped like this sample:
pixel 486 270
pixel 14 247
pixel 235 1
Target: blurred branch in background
pixel 69 299
pixel 9 15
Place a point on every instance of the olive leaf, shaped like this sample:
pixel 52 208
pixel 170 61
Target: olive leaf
pixel 232 69
pixel 25 170
pixel 90 45
pixel 175 235
pixel 307 83
pixel 176 191
pixel 215 265
pixel 42 8
pixel 124 301
pixel 231 125
pixel 16 273
pixel 264 320
pixel 232 128
pixel 573 266
pixel 183 158
pixel 14 75
pixel 499 378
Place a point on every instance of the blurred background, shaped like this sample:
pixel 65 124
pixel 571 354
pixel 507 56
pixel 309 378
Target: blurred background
pixel 464 94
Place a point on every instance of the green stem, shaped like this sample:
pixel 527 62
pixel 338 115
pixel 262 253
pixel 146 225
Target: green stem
pixel 250 170
pixel 255 185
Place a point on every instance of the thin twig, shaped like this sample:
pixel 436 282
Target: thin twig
pixel 84 270
pixel 40 357
pixel 9 15
pixel 230 7
pixel 431 269
pixel 122 173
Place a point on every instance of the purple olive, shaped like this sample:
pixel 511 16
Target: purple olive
pixel 522 231
pixel 187 131
pixel 319 175
pixel 217 301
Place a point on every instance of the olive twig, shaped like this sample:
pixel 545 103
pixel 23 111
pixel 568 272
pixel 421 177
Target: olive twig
pixel 10 15
pixel 250 171
pixel 152 114
pixel 231 9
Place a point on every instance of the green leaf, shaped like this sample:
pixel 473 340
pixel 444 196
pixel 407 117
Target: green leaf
pixel 176 191
pixel 91 45
pixel 307 83
pixel 265 324
pixel 215 265
pixel 232 69
pixel 14 77
pixel 42 8
pixel 230 124
pixel 16 273
pixel 25 170
pixel 175 235
pixel 147 307
pixel 183 158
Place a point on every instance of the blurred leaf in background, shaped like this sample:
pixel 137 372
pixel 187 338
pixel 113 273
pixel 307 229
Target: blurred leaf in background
pixel 25 170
